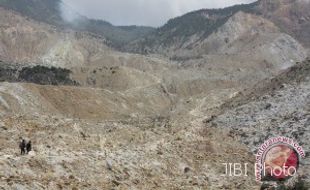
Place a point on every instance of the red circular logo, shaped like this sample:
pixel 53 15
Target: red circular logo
pixel 280 162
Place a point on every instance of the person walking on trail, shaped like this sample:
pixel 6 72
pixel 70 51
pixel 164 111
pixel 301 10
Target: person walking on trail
pixel 22 146
pixel 28 147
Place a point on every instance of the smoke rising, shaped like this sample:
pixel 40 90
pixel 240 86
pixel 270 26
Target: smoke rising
pixel 140 12
pixel 68 13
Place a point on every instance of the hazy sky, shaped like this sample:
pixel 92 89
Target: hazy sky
pixel 143 12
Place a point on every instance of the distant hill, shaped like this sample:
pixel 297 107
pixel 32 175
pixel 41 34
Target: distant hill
pixel 48 11
pixel 291 16
pixel 198 25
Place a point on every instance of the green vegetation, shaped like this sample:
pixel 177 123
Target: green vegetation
pixel 37 74
pixel 202 22
pixel 7 73
pixel 46 76
pixel 43 10
pixel 206 21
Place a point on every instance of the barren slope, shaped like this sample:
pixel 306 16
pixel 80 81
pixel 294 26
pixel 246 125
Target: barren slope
pixel 78 102
pixel 150 154
pixel 28 42
pixel 279 107
pixel 135 121
pixel 292 16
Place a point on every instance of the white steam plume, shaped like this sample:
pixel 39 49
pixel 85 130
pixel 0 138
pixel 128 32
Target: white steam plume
pixel 68 13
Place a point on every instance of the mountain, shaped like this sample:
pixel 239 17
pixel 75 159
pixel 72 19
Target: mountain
pixel 50 12
pixel 184 32
pixel 292 16
pixel 250 36
pixel 195 25
pixel 247 48
pixel 28 43
pixel 101 118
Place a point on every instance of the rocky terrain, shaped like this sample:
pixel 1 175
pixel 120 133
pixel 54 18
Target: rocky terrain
pixel 292 16
pixel 144 154
pixel 165 117
pixel 279 107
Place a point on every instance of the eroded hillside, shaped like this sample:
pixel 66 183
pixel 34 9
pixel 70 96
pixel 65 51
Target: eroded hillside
pixel 279 107
pixel 292 16
pixel 104 119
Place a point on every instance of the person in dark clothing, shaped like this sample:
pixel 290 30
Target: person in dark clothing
pixel 28 147
pixel 22 146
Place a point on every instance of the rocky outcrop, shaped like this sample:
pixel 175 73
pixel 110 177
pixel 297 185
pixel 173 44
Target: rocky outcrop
pixel 279 109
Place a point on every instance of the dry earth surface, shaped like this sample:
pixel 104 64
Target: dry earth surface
pixel 134 121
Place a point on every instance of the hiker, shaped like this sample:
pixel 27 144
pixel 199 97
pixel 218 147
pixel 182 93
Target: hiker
pixel 22 146
pixel 28 147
